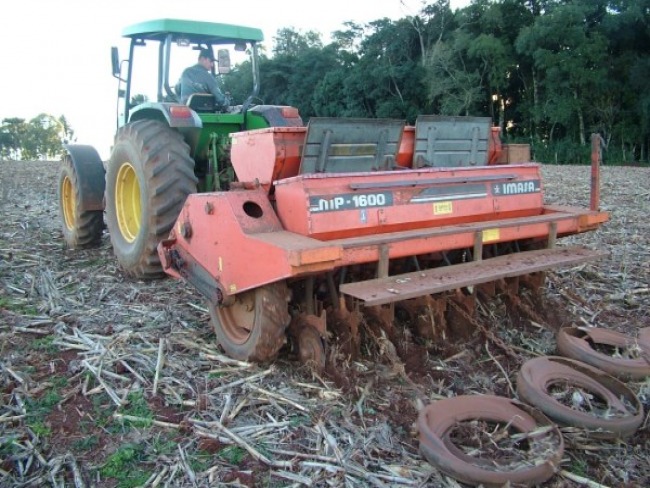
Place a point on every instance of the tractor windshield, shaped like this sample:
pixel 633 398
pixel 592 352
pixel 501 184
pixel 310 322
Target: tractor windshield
pixel 145 82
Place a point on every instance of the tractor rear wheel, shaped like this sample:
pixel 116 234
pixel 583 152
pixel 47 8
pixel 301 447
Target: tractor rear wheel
pixel 148 178
pixel 253 327
pixel 81 228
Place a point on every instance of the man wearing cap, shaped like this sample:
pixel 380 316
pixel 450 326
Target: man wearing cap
pixel 200 79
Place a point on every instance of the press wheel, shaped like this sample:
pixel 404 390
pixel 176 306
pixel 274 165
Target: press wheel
pixel 253 327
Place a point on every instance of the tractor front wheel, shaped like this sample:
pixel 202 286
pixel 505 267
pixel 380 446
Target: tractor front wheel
pixel 149 176
pixel 81 228
pixel 253 327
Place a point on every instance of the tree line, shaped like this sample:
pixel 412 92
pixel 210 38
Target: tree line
pixel 548 72
pixel 39 138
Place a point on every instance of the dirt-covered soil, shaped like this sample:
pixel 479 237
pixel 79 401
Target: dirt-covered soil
pixel 106 381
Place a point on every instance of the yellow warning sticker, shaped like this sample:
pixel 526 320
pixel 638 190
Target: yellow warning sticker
pixel 490 235
pixel 442 208
pixel 233 288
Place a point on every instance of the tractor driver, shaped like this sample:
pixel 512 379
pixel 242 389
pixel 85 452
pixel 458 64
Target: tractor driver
pixel 200 79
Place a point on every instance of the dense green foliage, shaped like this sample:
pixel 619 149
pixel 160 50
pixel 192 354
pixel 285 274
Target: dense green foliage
pixel 40 138
pixel 549 72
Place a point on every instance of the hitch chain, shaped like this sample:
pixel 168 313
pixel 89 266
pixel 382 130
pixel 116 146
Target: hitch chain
pixel 488 333
pixel 529 311
pixel 177 262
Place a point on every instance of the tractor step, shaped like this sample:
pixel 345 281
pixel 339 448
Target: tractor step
pixel 380 291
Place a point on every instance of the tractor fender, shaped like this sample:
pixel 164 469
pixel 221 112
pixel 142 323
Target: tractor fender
pixel 91 175
pixel 278 115
pixel 176 115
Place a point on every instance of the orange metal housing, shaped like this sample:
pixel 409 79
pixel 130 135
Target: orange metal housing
pixel 272 154
pixel 267 155
pixel 331 206
pixel 292 225
pixel 236 238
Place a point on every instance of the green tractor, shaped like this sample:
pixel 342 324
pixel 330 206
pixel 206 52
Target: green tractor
pixel 164 150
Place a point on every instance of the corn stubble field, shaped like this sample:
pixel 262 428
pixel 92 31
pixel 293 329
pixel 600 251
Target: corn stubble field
pixel 106 381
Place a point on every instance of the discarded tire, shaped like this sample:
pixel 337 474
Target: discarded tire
pixel 630 358
pixel 536 436
pixel 576 394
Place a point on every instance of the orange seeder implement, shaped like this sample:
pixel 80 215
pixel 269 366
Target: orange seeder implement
pixel 340 193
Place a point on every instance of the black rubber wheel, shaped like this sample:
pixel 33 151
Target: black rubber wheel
pixel 253 328
pixel 81 228
pixel 149 176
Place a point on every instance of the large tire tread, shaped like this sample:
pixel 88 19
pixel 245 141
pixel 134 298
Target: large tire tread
pixel 273 335
pixel 169 178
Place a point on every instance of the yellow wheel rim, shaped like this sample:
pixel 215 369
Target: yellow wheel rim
pixel 68 203
pixel 127 202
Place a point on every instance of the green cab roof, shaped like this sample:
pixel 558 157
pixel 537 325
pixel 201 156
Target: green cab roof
pixel 194 31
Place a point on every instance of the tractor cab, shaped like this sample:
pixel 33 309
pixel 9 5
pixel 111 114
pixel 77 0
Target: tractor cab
pixel 159 50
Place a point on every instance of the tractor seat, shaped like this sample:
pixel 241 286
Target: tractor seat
pixel 202 102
